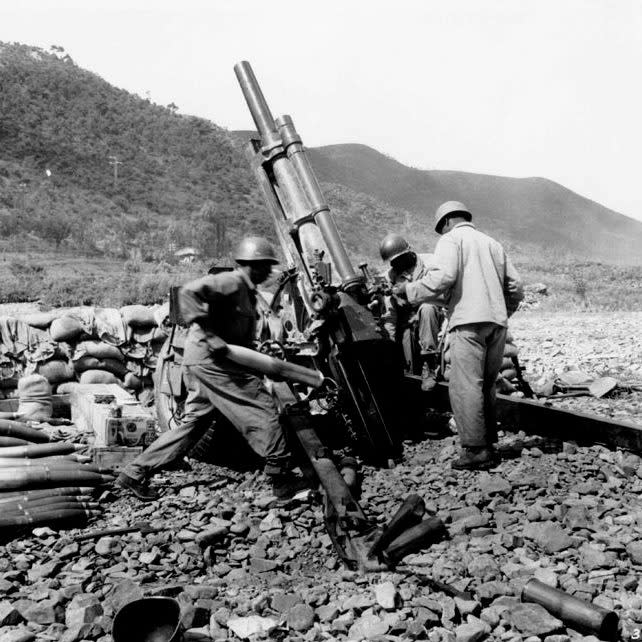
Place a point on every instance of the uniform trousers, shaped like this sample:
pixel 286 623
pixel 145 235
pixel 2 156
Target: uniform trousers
pixel 477 350
pixel 241 397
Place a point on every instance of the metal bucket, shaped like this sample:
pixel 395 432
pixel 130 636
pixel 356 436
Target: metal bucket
pixel 150 619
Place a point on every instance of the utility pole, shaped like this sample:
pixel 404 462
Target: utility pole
pixel 114 162
pixel 22 190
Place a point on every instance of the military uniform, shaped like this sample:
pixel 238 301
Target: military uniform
pixel 413 324
pixel 482 287
pixel 221 309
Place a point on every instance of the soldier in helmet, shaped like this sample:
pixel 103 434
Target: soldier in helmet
pixel 416 327
pixel 221 309
pixel 483 290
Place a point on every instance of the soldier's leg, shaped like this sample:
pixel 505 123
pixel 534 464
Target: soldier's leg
pixel 495 341
pixel 468 354
pixel 428 326
pixel 198 414
pixel 245 402
pixel 243 399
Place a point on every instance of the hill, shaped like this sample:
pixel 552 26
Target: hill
pixel 182 180
pixel 531 212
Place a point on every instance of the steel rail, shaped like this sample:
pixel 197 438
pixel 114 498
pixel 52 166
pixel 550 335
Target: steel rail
pixel 539 418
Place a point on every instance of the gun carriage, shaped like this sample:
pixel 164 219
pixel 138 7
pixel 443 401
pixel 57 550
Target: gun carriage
pixel 351 391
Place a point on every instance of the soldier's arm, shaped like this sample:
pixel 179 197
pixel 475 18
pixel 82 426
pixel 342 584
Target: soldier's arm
pixel 440 276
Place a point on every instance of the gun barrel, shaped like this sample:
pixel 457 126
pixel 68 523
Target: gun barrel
pixel 257 105
pixel 322 216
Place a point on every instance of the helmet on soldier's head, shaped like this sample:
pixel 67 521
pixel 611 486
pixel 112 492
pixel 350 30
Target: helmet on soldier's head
pixel 447 208
pixel 393 246
pixel 255 248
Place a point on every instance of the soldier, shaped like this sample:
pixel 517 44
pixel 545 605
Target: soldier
pixel 221 309
pixel 483 290
pixel 413 326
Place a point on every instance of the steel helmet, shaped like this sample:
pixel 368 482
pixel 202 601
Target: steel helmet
pixel 450 207
pixel 393 246
pixel 255 248
pixel 149 619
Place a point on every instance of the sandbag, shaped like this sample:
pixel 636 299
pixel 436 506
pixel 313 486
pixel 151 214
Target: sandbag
pixel 133 382
pixel 66 388
pixel 34 398
pixel 56 371
pixel 138 316
pixel 98 376
pixel 91 363
pixel 161 315
pixel 65 329
pixel 41 320
pixel 98 349
pixel 507 363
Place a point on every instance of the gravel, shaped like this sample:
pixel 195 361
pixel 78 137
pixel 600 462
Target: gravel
pixel 569 515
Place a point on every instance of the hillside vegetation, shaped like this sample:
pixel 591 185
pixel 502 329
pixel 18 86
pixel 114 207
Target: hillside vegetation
pixel 73 232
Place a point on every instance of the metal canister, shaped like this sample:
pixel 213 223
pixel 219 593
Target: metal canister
pixel 414 539
pixel 150 619
pixel 576 613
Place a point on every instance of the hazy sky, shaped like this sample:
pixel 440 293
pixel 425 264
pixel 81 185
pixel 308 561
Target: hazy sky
pixel 511 87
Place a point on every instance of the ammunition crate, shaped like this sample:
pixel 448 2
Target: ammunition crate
pixel 113 416
pixel 115 457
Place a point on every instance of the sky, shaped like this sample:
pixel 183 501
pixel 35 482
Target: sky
pixel 520 88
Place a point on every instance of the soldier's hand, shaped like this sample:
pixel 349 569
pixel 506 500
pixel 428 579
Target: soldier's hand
pixel 399 292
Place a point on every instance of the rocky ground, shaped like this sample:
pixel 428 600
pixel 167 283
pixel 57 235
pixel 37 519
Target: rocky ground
pixel 569 516
pixel 600 344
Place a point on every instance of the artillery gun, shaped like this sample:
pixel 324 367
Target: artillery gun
pixel 356 406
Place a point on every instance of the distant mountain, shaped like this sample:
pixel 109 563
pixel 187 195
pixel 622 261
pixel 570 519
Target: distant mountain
pixel 533 212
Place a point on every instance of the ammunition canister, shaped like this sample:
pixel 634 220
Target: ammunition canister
pixel 414 539
pixel 576 613
pixel 409 514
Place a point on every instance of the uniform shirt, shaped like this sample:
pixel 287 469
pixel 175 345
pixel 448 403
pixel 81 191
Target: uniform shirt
pixel 393 317
pixel 472 270
pixel 420 269
pixel 218 307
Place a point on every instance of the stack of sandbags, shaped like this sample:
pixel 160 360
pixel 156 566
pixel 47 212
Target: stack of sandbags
pixel 507 370
pixel 87 345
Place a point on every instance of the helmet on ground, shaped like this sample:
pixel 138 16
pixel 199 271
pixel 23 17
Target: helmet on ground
pixel 448 208
pixel 255 248
pixel 393 246
pixel 149 619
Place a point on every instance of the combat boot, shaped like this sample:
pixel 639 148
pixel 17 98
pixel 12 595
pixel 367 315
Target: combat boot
pixel 476 459
pixel 139 488
pixel 429 373
pixel 287 485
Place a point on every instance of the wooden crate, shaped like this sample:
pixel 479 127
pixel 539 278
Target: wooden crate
pixel 112 415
